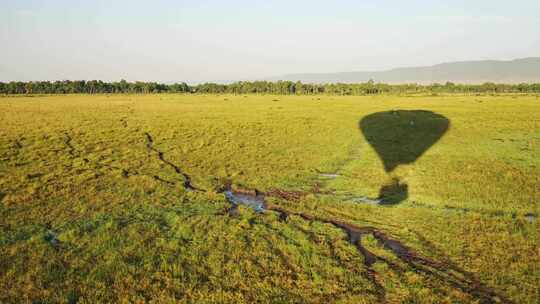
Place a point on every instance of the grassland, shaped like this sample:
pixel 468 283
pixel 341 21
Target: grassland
pixel 96 206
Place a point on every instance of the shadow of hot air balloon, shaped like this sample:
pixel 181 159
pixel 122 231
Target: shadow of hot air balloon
pixel 401 137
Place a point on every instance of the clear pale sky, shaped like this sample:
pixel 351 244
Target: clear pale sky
pixel 205 40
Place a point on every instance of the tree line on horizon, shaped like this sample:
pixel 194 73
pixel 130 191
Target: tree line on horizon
pixel 256 87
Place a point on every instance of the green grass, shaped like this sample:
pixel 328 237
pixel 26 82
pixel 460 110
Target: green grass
pixel 83 217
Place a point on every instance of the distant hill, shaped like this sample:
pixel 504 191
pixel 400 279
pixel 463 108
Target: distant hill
pixel 513 71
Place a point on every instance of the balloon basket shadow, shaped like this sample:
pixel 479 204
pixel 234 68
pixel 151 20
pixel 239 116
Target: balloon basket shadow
pixel 393 192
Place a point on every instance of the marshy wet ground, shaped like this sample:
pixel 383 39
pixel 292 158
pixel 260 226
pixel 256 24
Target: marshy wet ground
pixel 444 271
pixel 531 217
pixel 329 175
pixel 255 202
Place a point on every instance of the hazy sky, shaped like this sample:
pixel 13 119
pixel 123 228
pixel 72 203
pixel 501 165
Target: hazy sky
pixel 228 40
